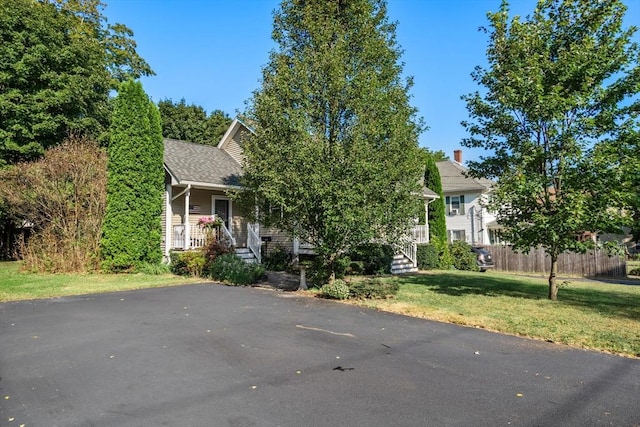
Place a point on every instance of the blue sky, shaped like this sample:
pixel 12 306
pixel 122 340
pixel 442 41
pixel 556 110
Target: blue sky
pixel 211 52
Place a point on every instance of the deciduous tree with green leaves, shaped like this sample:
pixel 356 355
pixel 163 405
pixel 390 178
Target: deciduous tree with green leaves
pixel 132 229
pixel 559 84
pixel 59 60
pixel 334 159
pixel 191 123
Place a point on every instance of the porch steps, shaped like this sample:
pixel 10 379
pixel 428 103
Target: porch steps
pixel 402 265
pixel 246 255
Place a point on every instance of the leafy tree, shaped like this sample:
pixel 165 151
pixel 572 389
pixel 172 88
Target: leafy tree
pixel 59 60
pixel 334 159
pixel 62 196
pixel 191 123
pixel 132 229
pixel 436 210
pixel 438 155
pixel 559 84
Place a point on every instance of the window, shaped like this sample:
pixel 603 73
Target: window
pixel 455 205
pixel 455 235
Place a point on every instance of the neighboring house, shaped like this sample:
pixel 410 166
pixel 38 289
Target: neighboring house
pixel 198 179
pixel 466 218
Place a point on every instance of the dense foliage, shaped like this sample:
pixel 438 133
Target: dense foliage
pixel 559 92
pixel 436 211
pixel 334 159
pixel 132 229
pixel 61 200
pixel 232 269
pixel 462 256
pixel 191 123
pixel 58 61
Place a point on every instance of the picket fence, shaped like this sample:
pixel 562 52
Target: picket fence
pixel 591 264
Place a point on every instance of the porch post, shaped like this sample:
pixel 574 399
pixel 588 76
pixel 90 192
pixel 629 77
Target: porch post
pixel 187 227
pixel 168 232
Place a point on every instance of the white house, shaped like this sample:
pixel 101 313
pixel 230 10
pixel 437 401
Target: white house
pixel 466 217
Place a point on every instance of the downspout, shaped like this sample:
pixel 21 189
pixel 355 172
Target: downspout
pixel 472 213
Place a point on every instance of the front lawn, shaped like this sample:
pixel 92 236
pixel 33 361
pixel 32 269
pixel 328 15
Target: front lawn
pixel 15 285
pixel 591 315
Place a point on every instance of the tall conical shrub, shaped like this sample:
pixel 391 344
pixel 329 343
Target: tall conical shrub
pixel 437 221
pixel 132 229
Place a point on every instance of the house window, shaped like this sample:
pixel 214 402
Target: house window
pixel 455 205
pixel 455 235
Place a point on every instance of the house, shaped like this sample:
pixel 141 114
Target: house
pixel 198 181
pixel 466 217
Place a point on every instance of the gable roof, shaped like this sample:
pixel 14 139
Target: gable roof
pixel 452 175
pixel 200 165
pixel 427 193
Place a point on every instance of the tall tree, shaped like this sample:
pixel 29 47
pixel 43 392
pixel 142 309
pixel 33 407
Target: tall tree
pixel 334 159
pixel 132 229
pixel 559 84
pixel 59 61
pixel 436 209
pixel 191 123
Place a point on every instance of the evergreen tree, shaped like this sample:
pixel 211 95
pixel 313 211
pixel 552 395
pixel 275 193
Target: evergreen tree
pixel 132 229
pixel 437 220
pixel 334 159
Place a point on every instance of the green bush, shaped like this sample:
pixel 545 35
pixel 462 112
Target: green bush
pixel 376 258
pixel 463 258
pixel 153 269
pixel 377 288
pixel 635 272
pixel 187 263
pixel 277 260
pixel 232 269
pixel 428 257
pixel 336 290
pixel 319 272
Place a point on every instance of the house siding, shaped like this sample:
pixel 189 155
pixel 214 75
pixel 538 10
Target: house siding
pixel 234 145
pixel 472 220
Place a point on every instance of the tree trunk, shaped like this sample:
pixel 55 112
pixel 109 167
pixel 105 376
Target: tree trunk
pixel 553 284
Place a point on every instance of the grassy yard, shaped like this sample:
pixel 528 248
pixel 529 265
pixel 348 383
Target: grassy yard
pixel 15 285
pixel 589 315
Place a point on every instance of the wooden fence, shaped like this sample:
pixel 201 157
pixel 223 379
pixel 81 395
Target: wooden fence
pixel 590 264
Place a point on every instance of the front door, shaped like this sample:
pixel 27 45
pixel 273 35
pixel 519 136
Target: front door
pixel 222 208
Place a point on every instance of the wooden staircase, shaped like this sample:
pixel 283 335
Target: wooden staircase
pixel 402 265
pixel 246 255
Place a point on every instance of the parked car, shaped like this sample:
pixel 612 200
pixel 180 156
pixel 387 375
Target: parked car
pixel 483 258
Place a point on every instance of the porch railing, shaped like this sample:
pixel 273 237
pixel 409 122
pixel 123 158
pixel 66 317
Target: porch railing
pixel 197 237
pixel 253 240
pixel 421 234
pixel 410 250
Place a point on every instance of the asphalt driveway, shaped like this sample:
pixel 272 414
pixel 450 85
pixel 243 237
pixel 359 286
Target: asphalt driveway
pixel 210 355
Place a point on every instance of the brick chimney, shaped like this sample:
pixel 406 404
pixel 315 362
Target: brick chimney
pixel 457 156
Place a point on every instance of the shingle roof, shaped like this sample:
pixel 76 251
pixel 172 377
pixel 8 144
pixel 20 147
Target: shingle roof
pixel 454 180
pixel 428 193
pixel 198 163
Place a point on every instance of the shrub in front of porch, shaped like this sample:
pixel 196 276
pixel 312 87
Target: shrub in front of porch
pixel 231 269
pixel 428 257
pixel 187 263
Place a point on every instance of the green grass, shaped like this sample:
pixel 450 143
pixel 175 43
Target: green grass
pixel 591 315
pixel 15 285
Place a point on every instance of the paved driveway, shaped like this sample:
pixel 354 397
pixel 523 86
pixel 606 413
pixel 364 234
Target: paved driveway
pixel 210 355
